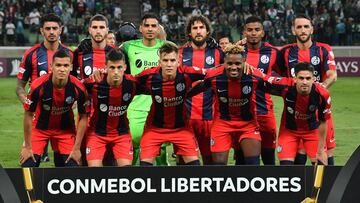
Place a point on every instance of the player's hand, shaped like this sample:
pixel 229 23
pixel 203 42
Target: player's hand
pixel 212 43
pixel 322 157
pixel 75 155
pixel 25 154
pixel 241 42
pixel 248 69
pixel 85 45
pixel 97 74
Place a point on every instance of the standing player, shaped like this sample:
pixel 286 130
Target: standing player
pixel 320 56
pixel 143 54
pixel 110 39
pixel 306 110
pixel 224 40
pixel 36 60
pixel 235 115
pixel 87 59
pixel 109 125
pixel 167 121
pixel 261 55
pixel 51 98
pixel 199 54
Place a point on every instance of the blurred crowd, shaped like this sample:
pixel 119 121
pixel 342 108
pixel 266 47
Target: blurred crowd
pixel 336 22
pixel 20 19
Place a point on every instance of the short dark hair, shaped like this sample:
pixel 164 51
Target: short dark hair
pixel 303 66
pixel 99 17
pixel 168 47
pixel 253 19
pixel 148 16
pixel 115 55
pixel 301 15
pixel 224 36
pixel 199 18
pixel 111 32
pixel 61 54
pixel 50 17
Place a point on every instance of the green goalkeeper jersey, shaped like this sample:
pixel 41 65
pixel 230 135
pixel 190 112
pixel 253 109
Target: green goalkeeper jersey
pixel 140 58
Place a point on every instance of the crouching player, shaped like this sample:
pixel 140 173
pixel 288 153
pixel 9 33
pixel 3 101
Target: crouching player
pixel 109 126
pixel 235 116
pixel 51 98
pixel 306 110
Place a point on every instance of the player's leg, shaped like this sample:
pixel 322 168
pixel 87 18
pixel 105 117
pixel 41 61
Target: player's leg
pixel 288 143
pixel 162 159
pixel 45 156
pixel 267 126
pixel 330 141
pixel 39 139
pixel 238 154
pixel 123 150
pixel 109 159
pixel 150 144
pixel 301 156
pixel 185 144
pixel 251 149
pixel 62 145
pixel 136 123
pixel 310 142
pixel 95 149
pixel 202 131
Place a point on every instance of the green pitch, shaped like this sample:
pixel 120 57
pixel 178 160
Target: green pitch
pixel 346 112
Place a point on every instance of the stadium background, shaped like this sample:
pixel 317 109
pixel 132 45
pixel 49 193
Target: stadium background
pixel 336 23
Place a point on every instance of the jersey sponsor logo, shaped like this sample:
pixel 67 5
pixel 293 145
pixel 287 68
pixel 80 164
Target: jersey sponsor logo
pixel 117 110
pixel 180 87
pixel 87 58
pixel 158 99
pixel 22 70
pixel 103 107
pixel 246 89
pixel 224 90
pixel 69 100
pixel 303 116
pixel 41 63
pixel 126 96
pixel 290 110
pixel 43 72
pixel 173 101
pixel 312 108
pixel 237 102
pixel 87 70
pixel 146 64
pixel 209 60
pixel 223 99
pixel 315 60
pixel 264 59
pixel 60 110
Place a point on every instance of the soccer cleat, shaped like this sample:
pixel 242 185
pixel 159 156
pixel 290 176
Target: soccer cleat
pixel 45 159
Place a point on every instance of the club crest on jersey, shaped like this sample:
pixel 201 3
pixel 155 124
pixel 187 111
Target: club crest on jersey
pixel 212 142
pixel 158 99
pixel 210 60
pixel 223 99
pixel 69 100
pixel 87 70
pixel 312 108
pixel 103 107
pixel 290 110
pixel 180 87
pixel 43 72
pixel 315 60
pixel 126 96
pixel 87 150
pixel 264 59
pixel 279 148
pixel 46 107
pixel 246 89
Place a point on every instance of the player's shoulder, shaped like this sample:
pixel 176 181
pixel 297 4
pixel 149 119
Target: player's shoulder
pixel 38 82
pixel 215 72
pixel 76 82
pixel 32 49
pixel 130 77
pixel 287 46
pixel 323 45
pixel 321 90
pixel 270 46
pixel 65 47
pixel 150 71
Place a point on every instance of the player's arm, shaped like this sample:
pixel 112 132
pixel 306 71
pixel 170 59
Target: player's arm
pixel 200 86
pixel 20 90
pixel 75 153
pixel 321 152
pixel 331 77
pixel 26 150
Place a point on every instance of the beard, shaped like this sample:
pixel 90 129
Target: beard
pixel 97 41
pixel 197 42
pixel 305 40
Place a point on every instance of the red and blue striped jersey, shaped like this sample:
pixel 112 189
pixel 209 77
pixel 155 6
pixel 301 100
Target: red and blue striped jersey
pixel 53 106
pixel 109 105
pixel 234 99
pixel 319 55
pixel 201 105
pixel 168 97
pixel 86 62
pixel 37 62
pixel 301 112
pixel 264 59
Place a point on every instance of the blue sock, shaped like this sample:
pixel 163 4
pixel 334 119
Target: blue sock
pixel 252 160
pixel 193 163
pixel 331 161
pixel 268 156
pixel 239 157
pixel 145 163
pixel 300 159
pixel 30 163
pixel 286 162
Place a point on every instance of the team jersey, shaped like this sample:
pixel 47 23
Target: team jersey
pixel 37 61
pixel 86 62
pixel 319 55
pixel 234 99
pixel 109 105
pixel 141 57
pixel 53 106
pixel 300 112
pixel 168 97
pixel 264 59
pixel 201 105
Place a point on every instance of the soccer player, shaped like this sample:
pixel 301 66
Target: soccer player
pixel 167 121
pixel 110 39
pixel 321 57
pixel 49 116
pixel 235 115
pixel 198 53
pixel 306 110
pixel 224 40
pixel 109 125
pixel 261 55
pixel 86 59
pixel 143 54
pixel 36 60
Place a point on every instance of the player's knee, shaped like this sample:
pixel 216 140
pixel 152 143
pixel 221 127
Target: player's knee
pixel 31 163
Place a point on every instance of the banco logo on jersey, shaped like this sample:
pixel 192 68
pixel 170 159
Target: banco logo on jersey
pixel 146 64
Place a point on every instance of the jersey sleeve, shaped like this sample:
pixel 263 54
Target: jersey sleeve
pixel 276 85
pixel 280 67
pixel 193 72
pixel 74 71
pixel 83 104
pixel 328 58
pixel 26 66
pixel 32 98
pixel 325 105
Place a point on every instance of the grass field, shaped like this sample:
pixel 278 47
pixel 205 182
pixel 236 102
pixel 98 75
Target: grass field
pixel 346 112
